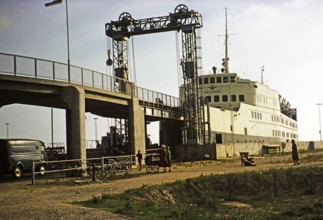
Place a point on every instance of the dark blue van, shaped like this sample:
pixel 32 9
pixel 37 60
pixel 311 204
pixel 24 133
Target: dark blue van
pixel 17 156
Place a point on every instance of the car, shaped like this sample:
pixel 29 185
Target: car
pixel 17 156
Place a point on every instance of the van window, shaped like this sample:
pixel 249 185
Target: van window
pixel 18 149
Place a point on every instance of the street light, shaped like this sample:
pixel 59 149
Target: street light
pixel 320 131
pixel 52 125
pixel 56 2
pixel 96 128
pixel 7 124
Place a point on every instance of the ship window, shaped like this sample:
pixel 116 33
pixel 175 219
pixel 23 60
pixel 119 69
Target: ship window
pixel 241 98
pixel 232 79
pixel 200 81
pixel 208 99
pixel 225 79
pixel 212 79
pixel 218 79
pixel 252 115
pixel 206 80
pixel 233 98
pixel 224 98
pixel 259 98
pixel 216 98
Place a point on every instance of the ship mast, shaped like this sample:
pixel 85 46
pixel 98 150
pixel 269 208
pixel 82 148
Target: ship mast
pixel 226 58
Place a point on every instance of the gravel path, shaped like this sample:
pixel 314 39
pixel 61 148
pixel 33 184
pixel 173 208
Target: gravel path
pixel 21 200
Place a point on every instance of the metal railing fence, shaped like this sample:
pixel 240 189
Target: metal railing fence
pixel 24 66
pixel 78 168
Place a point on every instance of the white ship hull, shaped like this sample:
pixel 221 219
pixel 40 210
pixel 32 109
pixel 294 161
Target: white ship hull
pixel 240 127
pixel 245 111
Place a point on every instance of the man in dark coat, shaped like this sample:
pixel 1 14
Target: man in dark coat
pixel 295 154
pixel 164 158
pixel 139 157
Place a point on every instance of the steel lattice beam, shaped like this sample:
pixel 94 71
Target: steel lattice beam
pixel 126 26
pixel 181 20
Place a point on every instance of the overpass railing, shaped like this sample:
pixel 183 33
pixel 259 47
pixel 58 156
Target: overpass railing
pixel 45 69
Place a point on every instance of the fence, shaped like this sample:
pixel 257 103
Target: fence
pixel 45 69
pixel 81 169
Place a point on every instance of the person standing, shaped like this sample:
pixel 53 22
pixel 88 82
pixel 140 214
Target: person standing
pixel 283 147
pixel 169 158
pixel 163 157
pixel 139 158
pixel 295 154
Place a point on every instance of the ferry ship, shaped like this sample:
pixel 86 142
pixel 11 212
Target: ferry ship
pixel 244 111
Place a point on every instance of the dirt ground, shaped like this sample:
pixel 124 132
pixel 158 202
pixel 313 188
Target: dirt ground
pixel 21 200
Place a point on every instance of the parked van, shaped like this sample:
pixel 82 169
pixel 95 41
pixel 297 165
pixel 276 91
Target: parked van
pixel 17 156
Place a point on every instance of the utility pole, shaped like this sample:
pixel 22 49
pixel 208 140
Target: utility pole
pixel 96 128
pixel 262 74
pixel 52 125
pixel 7 124
pixel 320 127
pixel 56 2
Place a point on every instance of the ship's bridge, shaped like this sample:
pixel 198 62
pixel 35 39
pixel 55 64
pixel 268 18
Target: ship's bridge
pixel 227 91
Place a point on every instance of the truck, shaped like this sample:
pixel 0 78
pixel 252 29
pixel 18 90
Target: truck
pixel 17 156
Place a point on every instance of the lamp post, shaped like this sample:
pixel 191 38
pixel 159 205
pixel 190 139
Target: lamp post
pixel 320 127
pixel 7 124
pixel 52 125
pixel 56 2
pixel 96 128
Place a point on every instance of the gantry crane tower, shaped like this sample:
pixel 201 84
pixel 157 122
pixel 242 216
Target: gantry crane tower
pixel 184 21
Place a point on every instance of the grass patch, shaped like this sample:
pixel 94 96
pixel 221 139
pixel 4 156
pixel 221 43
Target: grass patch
pixel 273 194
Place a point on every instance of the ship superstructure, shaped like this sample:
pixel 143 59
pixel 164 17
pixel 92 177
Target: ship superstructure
pixel 242 110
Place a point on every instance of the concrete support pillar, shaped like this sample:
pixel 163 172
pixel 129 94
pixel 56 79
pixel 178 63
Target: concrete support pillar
pixel 74 97
pixel 136 127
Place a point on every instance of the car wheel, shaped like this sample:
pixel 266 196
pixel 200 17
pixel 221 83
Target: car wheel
pixel 148 169
pixel 17 172
pixel 42 170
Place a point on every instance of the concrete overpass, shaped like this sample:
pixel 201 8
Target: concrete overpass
pixel 46 83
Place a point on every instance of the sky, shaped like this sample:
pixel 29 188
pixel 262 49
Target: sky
pixel 284 36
